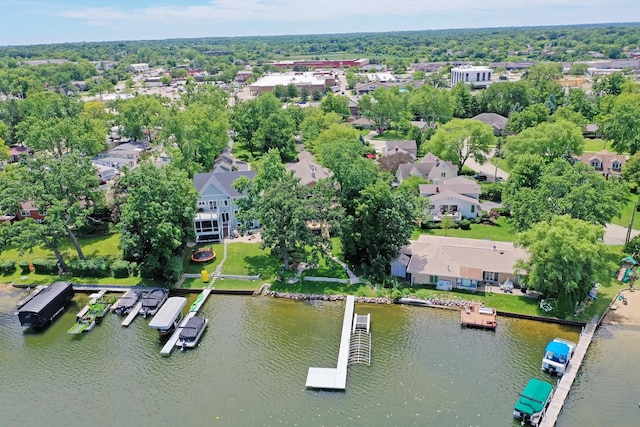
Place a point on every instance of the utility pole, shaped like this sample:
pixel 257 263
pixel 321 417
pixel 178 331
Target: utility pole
pixel 633 215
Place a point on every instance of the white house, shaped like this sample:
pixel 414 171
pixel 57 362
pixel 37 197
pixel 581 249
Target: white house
pixel 217 210
pixel 450 203
pixel 458 184
pixel 429 167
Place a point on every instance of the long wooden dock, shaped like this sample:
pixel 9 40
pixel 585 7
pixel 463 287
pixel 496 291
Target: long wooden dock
pixel 564 385
pixel 336 378
pixel 132 315
pixel 171 343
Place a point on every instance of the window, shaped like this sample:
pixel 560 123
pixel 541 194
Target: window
pixel 213 204
pixel 25 213
pixel 225 203
pixel 443 174
pixel 473 208
pixel 202 203
pixel 615 165
pixel 490 276
pixel 433 279
pixel 596 164
pixel 225 217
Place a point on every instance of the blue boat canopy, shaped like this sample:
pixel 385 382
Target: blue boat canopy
pixel 559 350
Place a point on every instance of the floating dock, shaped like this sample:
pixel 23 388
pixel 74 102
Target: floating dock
pixel 132 315
pixel 565 383
pixel 336 378
pixel 193 310
pixel 477 316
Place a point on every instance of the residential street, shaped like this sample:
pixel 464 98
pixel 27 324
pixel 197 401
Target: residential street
pixel 487 169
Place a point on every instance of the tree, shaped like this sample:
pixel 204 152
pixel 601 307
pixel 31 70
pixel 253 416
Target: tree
pixel 561 189
pixel 341 132
pixel 314 123
pixel 246 118
pixel 432 105
pixel 412 184
pixel 527 118
pixel 503 97
pixel 620 125
pixel 447 223
pixel 379 212
pixel 336 104
pixel 550 140
pixel 611 84
pixel 195 136
pixel 543 80
pixel 4 150
pixel 566 257
pixel 138 115
pixel 578 69
pixel 276 132
pixel 464 104
pixel 391 162
pixel 292 91
pixel 578 100
pixel 461 139
pixel 157 218
pixel 631 170
pixel 284 209
pixel 381 106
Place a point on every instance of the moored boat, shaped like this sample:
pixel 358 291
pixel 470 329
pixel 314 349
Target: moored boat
pixel 533 402
pixel 126 302
pixel 152 301
pixel 191 332
pixel 169 316
pixel 557 356
pixel 88 319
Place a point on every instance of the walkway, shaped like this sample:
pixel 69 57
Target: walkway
pixel 336 378
pixel 563 387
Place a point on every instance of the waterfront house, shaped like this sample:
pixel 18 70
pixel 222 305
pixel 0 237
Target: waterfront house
pixel 449 262
pixel 217 211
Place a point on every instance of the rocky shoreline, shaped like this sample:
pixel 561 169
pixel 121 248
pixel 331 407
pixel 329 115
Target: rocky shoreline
pixel 319 297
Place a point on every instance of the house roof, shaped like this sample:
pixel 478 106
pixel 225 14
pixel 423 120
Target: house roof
pixel 307 170
pixel 459 184
pixel 405 170
pixel 402 259
pixel 420 125
pixel 409 146
pixel 221 180
pixel 465 258
pixel 497 121
pixel 452 194
pixel 362 121
pixel 606 157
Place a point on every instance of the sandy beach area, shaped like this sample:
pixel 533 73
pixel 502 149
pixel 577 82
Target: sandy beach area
pixel 625 314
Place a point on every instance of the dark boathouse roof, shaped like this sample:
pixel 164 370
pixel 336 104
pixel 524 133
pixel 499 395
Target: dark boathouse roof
pixel 45 297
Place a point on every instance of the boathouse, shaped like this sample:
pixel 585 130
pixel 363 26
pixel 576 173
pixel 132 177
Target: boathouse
pixel 46 305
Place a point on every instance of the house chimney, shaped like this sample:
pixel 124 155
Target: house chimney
pixel 313 172
pixel 396 149
pixel 437 189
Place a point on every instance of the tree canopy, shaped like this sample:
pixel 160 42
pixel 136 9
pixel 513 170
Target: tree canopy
pixel 461 139
pixel 551 140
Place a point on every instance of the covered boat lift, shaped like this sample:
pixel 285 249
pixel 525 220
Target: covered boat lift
pixel 169 315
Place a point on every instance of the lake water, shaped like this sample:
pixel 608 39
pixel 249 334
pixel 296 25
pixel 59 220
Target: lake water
pixel 251 366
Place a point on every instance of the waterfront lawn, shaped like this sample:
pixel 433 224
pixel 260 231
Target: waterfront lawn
pixel 226 284
pixel 501 232
pixel 34 279
pixel 249 259
pixel 325 288
pixel 193 267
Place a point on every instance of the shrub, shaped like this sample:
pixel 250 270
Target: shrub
pixel 120 269
pixel 97 267
pixel 8 267
pixel 45 266
pixel 633 247
pixel 501 211
pixel 465 224
pixel 173 269
pixel 492 192
pixel 24 267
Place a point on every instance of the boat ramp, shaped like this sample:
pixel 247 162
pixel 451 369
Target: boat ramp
pixel 193 310
pixel 565 383
pixel 355 347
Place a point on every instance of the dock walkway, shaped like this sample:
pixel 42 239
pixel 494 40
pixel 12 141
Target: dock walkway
pixel 336 378
pixel 132 314
pixel 562 390
pixel 195 307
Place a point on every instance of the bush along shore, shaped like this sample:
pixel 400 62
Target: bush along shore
pixel 319 297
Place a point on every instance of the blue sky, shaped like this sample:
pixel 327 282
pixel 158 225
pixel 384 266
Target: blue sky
pixel 53 21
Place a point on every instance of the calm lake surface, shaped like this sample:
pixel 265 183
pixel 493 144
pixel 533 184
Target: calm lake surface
pixel 251 367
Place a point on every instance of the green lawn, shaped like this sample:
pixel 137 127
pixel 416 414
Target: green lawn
pixel 325 288
pixel 193 267
pixel 248 259
pixel 502 164
pixel 625 215
pixel 226 284
pixel 391 135
pixel 501 232
pixel 595 145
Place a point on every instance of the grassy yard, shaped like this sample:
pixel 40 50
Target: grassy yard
pixel 248 259
pixel 502 164
pixel 501 232
pixel 325 288
pixel 391 135
pixel 595 145
pixel 226 284
pixel 193 267
pixel 625 215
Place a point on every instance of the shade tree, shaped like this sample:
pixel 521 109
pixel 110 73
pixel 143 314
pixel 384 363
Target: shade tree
pixel 461 139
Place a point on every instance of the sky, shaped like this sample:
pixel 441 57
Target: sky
pixel 58 21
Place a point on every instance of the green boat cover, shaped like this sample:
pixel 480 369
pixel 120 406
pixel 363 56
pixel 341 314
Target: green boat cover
pixel 534 397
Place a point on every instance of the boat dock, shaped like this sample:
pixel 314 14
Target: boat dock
pixel 355 347
pixel 477 316
pixel 132 315
pixel 565 383
pixel 193 310
pixel 92 299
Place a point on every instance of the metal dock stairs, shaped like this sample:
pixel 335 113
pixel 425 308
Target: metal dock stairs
pixel 360 342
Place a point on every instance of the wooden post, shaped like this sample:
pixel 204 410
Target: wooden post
pixel 633 215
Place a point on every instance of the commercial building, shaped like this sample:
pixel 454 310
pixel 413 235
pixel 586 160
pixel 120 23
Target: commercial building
pixel 479 76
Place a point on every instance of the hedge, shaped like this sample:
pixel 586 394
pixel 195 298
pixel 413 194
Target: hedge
pixel 24 267
pixel 7 267
pixel 121 269
pixel 96 267
pixel 45 266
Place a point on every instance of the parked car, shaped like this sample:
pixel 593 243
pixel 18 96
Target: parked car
pixel 480 177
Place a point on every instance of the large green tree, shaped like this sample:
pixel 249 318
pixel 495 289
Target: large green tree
pixel 431 104
pixel 621 123
pixel 566 257
pixel 139 115
pixel 382 106
pixel 461 139
pixel 551 140
pixel 336 104
pixel 247 116
pixel 158 206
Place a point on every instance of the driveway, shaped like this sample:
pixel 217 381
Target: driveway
pixel 617 234
pixel 487 169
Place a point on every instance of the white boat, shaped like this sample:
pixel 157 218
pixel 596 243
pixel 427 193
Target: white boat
pixel 191 332
pixel 557 356
pixel 169 315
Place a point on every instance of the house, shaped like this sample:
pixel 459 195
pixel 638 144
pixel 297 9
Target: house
pixel 449 262
pixel 455 205
pixel 307 170
pixel 216 215
pixel 225 162
pixel 393 147
pixel 591 130
pixel 429 167
pixel 496 121
pixel 28 210
pixel 605 162
pixel 399 264
pixel 363 123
